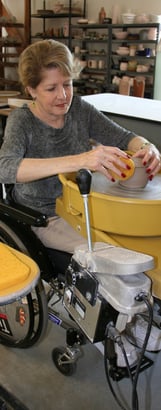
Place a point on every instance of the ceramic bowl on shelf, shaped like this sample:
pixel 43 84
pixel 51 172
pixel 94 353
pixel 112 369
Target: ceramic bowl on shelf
pixel 92 22
pixel 132 64
pixel 142 68
pixel 58 7
pixel 142 18
pixel 121 35
pixel 82 21
pixel 122 51
pixel 83 51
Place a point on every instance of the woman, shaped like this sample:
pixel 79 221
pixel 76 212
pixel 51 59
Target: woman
pixel 52 135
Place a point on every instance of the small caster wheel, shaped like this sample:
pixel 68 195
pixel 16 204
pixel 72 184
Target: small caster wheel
pixel 60 359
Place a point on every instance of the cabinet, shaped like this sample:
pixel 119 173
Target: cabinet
pixel 14 37
pixel 107 58
pixel 55 23
pixel 138 58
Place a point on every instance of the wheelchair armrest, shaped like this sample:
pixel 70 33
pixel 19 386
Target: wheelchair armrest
pixel 23 213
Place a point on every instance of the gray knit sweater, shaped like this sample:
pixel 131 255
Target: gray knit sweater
pixel 28 137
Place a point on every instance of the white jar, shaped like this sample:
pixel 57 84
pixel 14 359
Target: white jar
pixel 123 65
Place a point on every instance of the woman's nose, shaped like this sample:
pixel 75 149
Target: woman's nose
pixel 61 92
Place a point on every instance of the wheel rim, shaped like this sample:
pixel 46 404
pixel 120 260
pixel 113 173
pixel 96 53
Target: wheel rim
pixel 59 355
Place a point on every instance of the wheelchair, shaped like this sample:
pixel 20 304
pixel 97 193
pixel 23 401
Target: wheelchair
pixel 15 231
pixel 101 287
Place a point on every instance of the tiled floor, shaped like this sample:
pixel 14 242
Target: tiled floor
pixel 31 375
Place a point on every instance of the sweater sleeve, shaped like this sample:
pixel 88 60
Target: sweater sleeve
pixel 13 147
pixel 103 129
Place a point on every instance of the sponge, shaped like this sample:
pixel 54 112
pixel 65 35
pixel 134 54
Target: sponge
pixel 128 172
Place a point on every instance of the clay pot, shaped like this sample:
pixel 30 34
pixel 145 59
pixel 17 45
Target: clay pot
pixel 140 177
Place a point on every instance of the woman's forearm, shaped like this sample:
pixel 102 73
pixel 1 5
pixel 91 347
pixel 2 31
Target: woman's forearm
pixel 99 159
pixel 137 143
pixel 35 169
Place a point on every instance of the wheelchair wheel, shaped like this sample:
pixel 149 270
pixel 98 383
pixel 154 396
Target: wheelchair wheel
pixel 62 361
pixel 23 322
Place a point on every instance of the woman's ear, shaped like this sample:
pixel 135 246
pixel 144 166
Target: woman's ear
pixel 31 92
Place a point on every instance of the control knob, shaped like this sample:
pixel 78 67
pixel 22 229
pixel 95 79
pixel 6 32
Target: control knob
pixel 71 276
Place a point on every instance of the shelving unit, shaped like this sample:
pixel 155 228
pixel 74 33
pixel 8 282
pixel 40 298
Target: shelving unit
pixel 95 46
pixel 145 58
pixel 14 37
pixel 98 80
pixel 90 44
pixel 57 24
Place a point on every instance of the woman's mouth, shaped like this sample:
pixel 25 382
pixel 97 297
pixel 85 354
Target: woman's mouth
pixel 62 105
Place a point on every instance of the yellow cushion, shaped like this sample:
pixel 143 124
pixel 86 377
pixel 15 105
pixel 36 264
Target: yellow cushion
pixel 12 270
pixel 17 270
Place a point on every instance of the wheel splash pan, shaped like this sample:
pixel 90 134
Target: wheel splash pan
pixel 115 209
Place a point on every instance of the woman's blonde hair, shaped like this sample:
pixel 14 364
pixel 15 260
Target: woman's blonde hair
pixel 44 54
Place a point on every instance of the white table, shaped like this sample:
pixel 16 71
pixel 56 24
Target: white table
pixel 141 115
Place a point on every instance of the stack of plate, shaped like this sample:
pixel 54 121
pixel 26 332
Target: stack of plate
pixel 18 102
pixel 4 95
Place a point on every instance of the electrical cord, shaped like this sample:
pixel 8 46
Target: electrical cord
pixel 113 334
pixel 108 376
pixel 142 297
pixel 130 376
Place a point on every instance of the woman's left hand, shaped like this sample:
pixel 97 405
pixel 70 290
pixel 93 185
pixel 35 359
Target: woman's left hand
pixel 151 159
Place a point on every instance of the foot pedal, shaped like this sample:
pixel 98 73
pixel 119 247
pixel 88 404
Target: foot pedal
pixel 118 373
pixel 145 364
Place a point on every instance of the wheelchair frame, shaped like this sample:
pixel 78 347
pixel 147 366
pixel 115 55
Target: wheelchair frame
pixel 15 230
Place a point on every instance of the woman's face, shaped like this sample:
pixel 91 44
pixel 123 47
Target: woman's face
pixel 53 95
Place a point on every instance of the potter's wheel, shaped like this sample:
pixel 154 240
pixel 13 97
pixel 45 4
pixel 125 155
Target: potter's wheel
pixel 115 209
pixel 128 218
pixel 152 191
pixel 132 212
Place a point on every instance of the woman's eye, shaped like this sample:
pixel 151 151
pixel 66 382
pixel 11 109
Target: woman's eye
pixel 51 89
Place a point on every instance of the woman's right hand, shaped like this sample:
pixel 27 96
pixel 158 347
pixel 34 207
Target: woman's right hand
pixel 104 159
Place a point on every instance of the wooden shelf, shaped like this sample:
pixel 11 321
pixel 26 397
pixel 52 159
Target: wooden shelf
pixel 8 24
pixel 15 39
